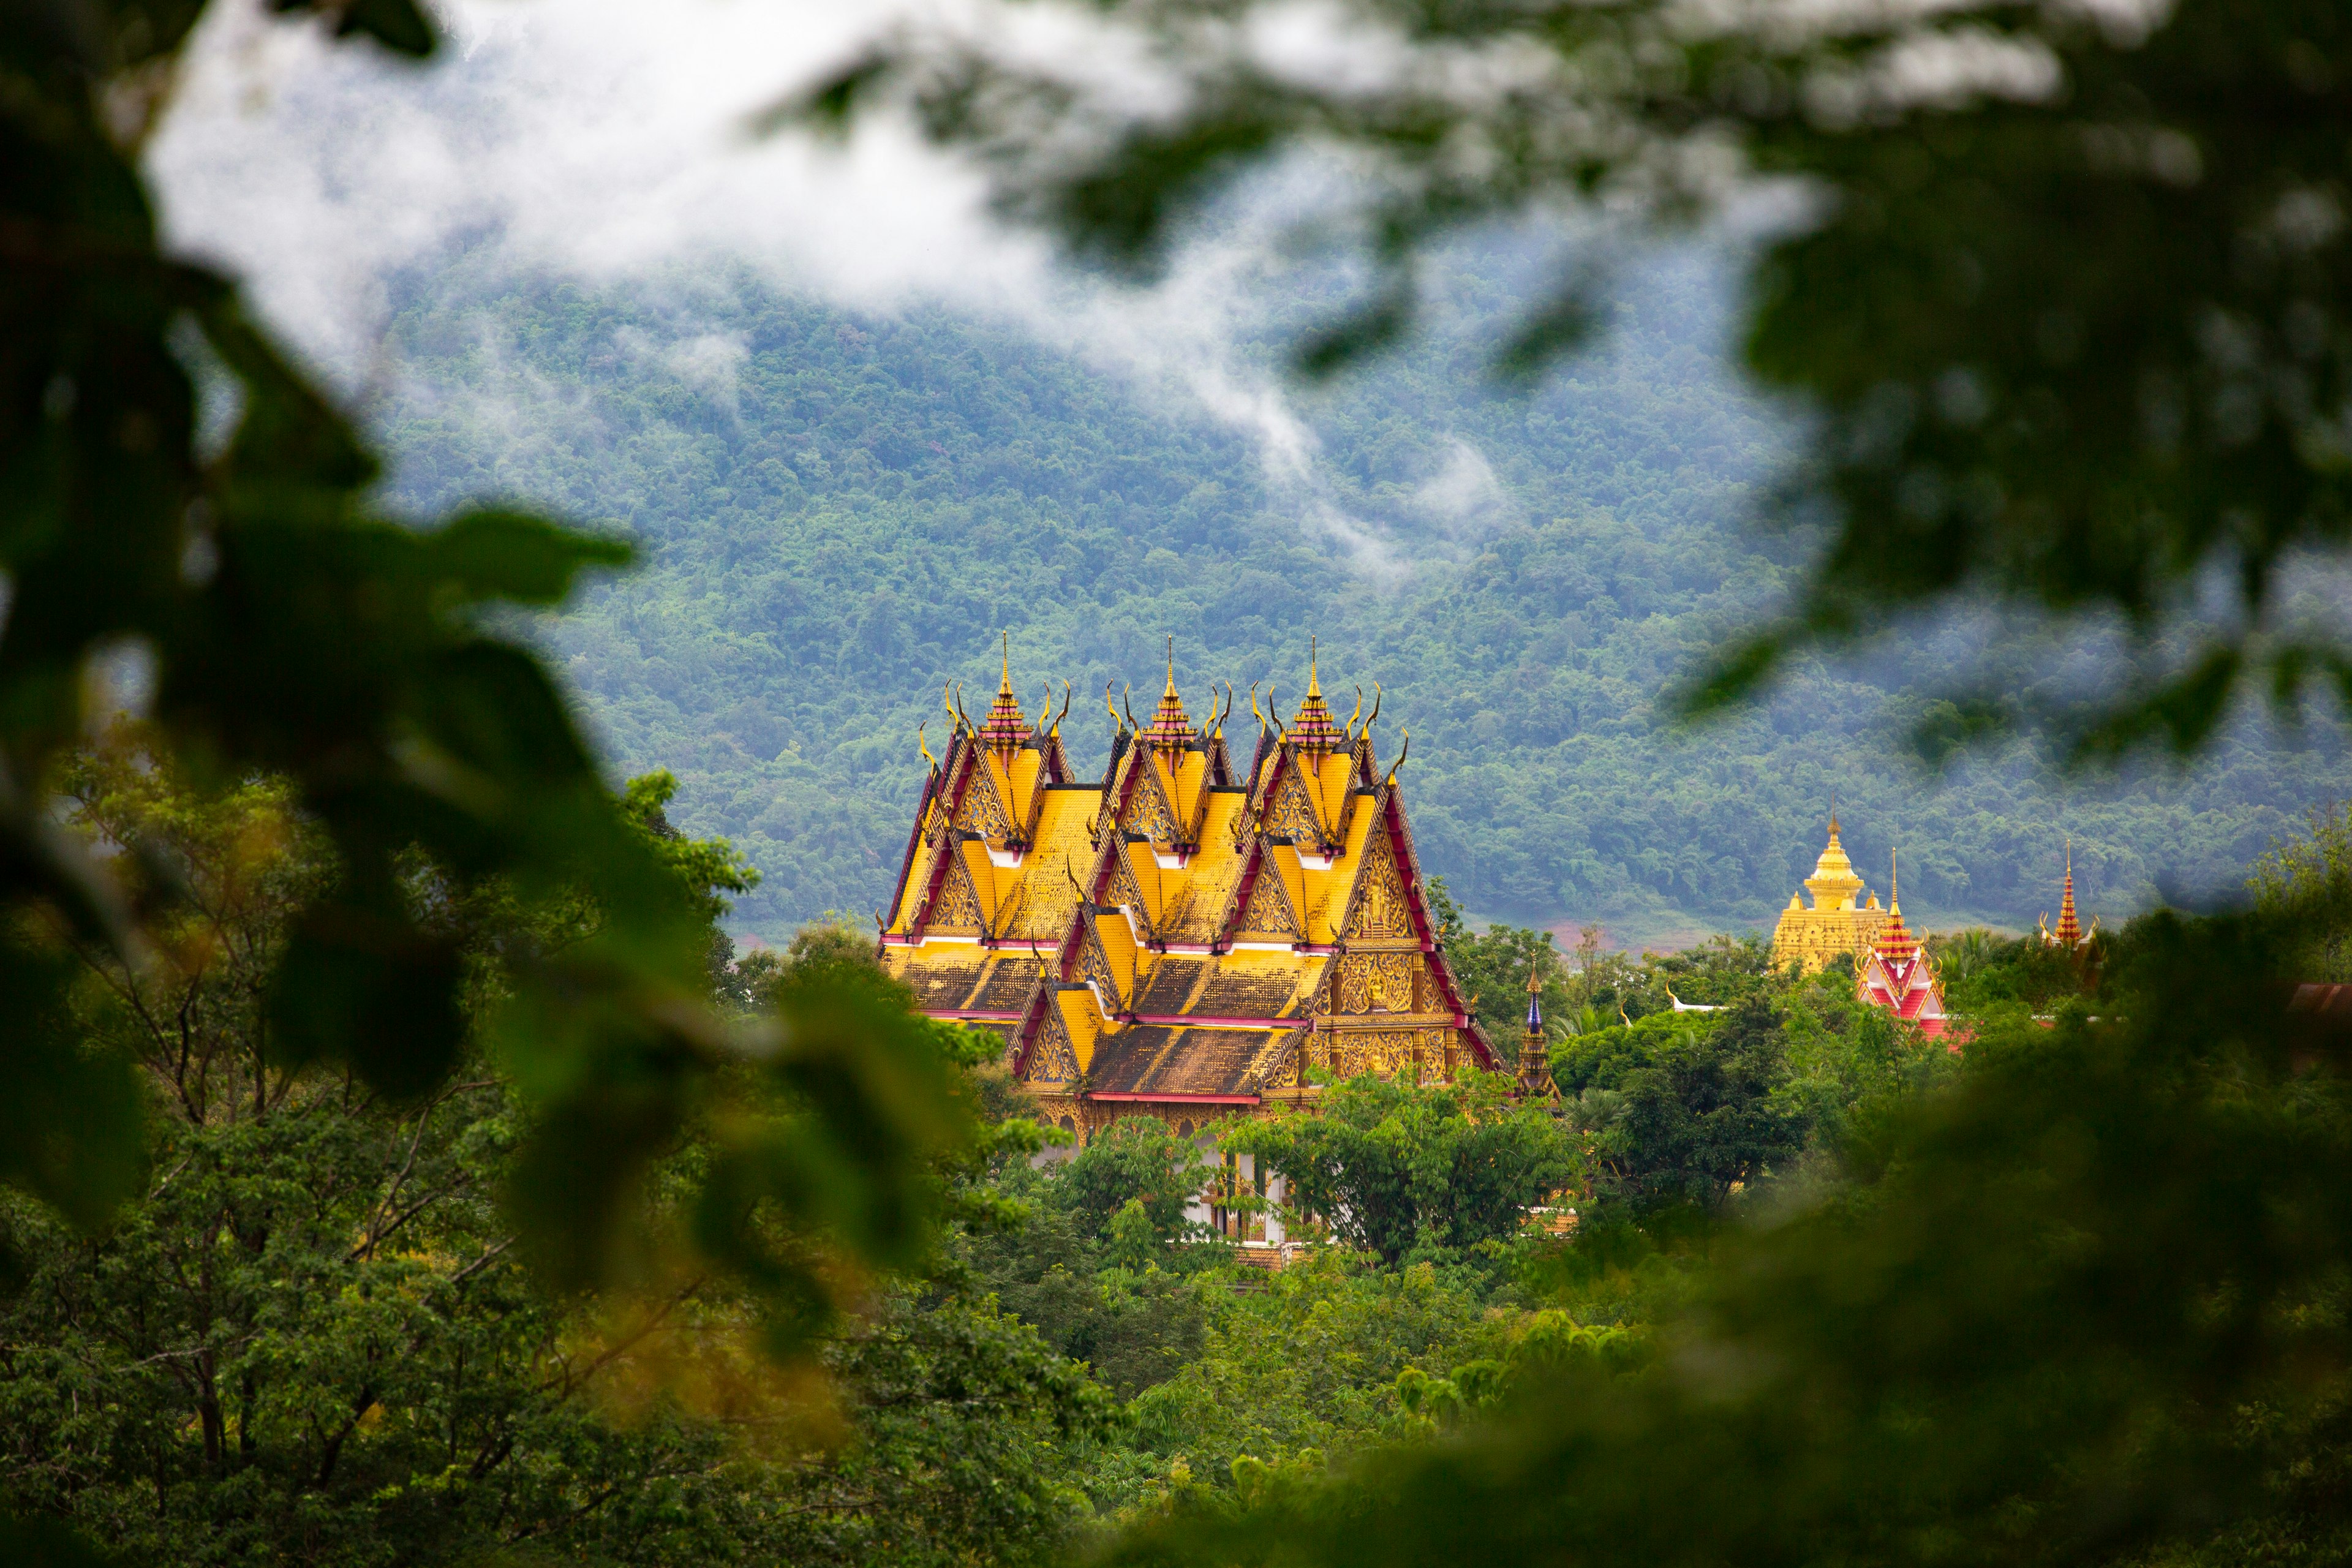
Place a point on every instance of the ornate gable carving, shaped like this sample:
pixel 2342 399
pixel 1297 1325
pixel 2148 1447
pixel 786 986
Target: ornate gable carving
pixel 1384 1052
pixel 1269 906
pixel 1380 910
pixel 1280 1069
pixel 956 907
pixel 1094 964
pixel 1125 891
pixel 982 810
pixel 1293 814
pixel 1052 1058
pixel 1377 983
pixel 1146 811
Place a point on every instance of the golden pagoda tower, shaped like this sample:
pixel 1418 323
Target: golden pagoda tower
pixel 2069 932
pixel 1811 938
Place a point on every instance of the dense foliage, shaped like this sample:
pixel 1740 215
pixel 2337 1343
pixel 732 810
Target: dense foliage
pixel 1409 1174
pixel 312 1340
pixel 312 1337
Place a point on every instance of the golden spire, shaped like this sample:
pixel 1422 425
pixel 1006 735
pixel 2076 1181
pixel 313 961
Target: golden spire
pixel 2070 926
pixel 1895 943
pixel 1171 729
pixel 1833 884
pixel 1006 728
pixel 1313 727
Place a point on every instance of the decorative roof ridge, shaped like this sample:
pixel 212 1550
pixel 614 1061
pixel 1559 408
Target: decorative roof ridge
pixel 1245 887
pixel 1390 807
pixel 2070 925
pixel 1893 942
pixel 898 906
pixel 955 777
pixel 1024 1034
pixel 1357 886
pixel 1171 728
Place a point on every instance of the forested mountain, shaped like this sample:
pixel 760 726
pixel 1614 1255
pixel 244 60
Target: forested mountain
pixel 840 510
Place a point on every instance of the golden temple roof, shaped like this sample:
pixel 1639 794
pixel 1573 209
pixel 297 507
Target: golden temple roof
pixel 1313 727
pixel 1180 926
pixel 1835 924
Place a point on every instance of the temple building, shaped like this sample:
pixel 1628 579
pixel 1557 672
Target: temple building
pixel 1896 974
pixel 1812 937
pixel 1180 937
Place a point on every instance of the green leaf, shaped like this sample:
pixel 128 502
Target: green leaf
pixel 400 25
pixel 71 1127
pixel 44 1543
pixel 496 554
pixel 359 987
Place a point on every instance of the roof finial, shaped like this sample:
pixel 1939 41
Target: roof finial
pixel 1833 827
pixel 1895 881
pixel 1171 729
pixel 1313 727
pixel 1006 726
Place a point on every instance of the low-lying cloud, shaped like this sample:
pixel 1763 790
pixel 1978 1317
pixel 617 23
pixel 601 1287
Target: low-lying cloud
pixel 608 140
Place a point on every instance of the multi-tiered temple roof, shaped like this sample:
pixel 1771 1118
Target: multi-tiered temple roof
pixel 1180 933
pixel 1897 975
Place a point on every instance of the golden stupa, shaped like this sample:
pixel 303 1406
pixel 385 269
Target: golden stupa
pixel 1811 938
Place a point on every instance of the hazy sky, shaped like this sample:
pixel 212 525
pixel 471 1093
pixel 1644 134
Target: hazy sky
pixel 606 139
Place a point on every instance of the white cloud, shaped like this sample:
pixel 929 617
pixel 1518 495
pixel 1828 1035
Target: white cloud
pixel 606 140
pixel 1463 497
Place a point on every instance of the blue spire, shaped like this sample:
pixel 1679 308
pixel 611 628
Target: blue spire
pixel 1535 1009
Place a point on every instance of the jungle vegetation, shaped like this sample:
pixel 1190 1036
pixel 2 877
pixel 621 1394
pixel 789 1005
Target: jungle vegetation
pixel 2068 327
pixel 313 1335
pixel 853 515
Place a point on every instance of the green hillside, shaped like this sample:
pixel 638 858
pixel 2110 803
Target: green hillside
pixel 841 511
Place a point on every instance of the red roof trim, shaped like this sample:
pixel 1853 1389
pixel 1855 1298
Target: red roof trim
pixel 1179 1099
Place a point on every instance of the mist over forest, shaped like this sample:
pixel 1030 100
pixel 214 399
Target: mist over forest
pixel 841 510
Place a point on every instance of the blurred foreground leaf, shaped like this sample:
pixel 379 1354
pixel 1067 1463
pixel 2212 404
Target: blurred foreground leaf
pixel 278 626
